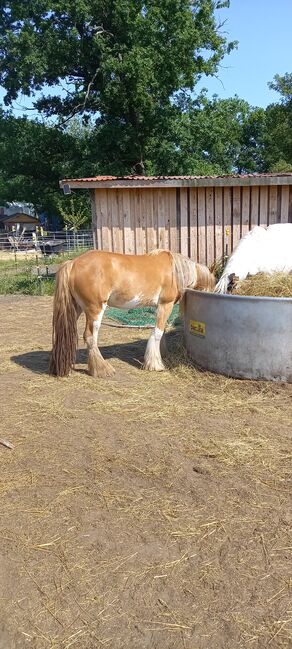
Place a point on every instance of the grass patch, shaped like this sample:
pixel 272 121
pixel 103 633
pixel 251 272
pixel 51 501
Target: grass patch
pixel 26 284
pixel 19 275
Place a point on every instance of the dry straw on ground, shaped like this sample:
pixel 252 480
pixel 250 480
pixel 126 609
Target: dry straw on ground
pixel 150 510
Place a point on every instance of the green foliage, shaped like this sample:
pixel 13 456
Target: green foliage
pixel 283 85
pixel 34 156
pixel 118 78
pixel 76 213
pixel 278 133
pixel 121 60
pixel 204 137
pixel 281 167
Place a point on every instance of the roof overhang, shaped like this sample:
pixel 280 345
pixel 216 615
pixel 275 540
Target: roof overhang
pixel 138 182
pixel 20 218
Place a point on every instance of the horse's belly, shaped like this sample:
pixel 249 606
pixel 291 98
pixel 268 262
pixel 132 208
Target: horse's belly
pixel 120 303
pixel 127 302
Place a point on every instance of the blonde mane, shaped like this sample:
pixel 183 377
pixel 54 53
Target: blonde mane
pixel 157 251
pixel 188 274
pixel 184 271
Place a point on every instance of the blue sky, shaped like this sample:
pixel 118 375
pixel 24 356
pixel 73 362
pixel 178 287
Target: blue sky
pixel 263 29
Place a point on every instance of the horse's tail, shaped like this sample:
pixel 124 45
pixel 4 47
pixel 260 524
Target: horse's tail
pixel 65 335
pixel 205 279
pixel 222 285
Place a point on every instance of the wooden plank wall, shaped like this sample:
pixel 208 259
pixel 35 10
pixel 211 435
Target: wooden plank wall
pixel 204 223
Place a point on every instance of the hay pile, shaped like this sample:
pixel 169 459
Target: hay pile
pixel 265 285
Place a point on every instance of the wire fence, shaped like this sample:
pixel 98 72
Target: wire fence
pixel 46 243
pixel 28 264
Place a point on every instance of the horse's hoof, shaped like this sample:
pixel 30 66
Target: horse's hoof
pixel 156 367
pixel 105 371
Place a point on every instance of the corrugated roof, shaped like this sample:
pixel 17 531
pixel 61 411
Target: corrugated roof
pixel 97 179
pixel 182 181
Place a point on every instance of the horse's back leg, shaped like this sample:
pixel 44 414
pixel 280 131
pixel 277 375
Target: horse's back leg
pixel 97 366
pixel 152 358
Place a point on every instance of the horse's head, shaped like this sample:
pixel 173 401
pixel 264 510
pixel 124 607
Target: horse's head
pixel 205 280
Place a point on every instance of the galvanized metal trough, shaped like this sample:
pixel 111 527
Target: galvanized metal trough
pixel 240 336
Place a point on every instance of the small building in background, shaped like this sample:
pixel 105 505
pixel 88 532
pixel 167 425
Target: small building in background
pixel 18 216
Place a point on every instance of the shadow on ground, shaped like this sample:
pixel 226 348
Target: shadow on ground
pixel 131 353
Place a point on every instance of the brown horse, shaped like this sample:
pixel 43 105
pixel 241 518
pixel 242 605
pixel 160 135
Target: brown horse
pixel 96 279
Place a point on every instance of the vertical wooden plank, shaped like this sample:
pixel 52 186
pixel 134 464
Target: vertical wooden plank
pixel 189 221
pixel 218 211
pixel 273 204
pixel 173 226
pixel 114 207
pixel 254 207
pixel 290 205
pixel 109 219
pixel 144 217
pixel 227 220
pixel 279 203
pixel 151 231
pixel 245 211
pixel 184 221
pixel 138 229
pixel 210 225
pixel 160 220
pixel 202 256
pixel 121 242
pixel 106 239
pixel 110 199
pixel 236 216
pixel 284 203
pixel 133 217
pixel 263 212
pixel 98 220
pixel 193 230
pixel 155 202
pixel 93 218
pixel 164 201
pixel 128 232
pixel 167 217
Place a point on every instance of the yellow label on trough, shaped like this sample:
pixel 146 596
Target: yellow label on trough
pixel 198 328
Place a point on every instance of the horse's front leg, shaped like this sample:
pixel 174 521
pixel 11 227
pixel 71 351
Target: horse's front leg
pixel 152 358
pixel 97 366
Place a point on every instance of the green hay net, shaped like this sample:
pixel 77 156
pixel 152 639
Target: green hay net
pixel 140 317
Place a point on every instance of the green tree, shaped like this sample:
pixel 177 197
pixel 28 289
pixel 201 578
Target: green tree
pixel 251 155
pixel 76 213
pixel 283 85
pixel 278 134
pixel 204 136
pixel 124 61
pixel 33 158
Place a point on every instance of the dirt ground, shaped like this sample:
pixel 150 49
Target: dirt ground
pixel 149 511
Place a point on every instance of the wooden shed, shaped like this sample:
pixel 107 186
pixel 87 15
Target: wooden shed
pixel 200 216
pixel 8 222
